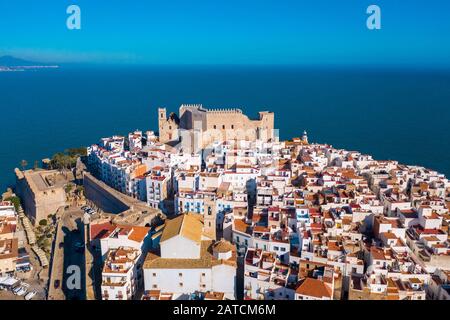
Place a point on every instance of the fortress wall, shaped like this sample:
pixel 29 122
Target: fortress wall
pixel 228 119
pixel 102 195
pixel 23 190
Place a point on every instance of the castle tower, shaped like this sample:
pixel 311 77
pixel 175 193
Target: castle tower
pixel 266 125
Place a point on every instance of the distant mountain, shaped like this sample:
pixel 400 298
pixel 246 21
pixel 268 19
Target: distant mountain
pixel 10 61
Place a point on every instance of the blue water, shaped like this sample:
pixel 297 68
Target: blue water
pixel 391 114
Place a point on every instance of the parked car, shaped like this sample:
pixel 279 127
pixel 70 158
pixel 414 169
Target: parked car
pixel 91 212
pixel 30 295
pixel 61 245
pixel 84 207
pixel 16 288
pixel 22 289
pixel 24 268
pixel 10 283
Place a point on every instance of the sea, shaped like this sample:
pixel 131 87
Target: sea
pixel 389 113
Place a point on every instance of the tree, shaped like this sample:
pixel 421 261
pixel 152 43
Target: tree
pixel 68 188
pixel 77 152
pixel 43 222
pixel 80 190
pixel 23 164
pixel 15 201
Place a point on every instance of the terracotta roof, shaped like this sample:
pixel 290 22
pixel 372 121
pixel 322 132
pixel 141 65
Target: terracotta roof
pixel 314 288
pixel 214 295
pixel 223 246
pixel 103 230
pixel 261 229
pixel 241 226
pixel 377 254
pixel 137 234
pixel 100 230
pixel 9 248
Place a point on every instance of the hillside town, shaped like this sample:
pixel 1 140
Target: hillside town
pixel 214 206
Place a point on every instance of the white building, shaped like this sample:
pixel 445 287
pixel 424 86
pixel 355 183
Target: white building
pixel 120 274
pixel 190 262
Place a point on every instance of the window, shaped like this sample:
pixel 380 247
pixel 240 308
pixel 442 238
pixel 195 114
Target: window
pixel 232 126
pixel 215 127
pixel 154 274
pixel 180 274
pixel 283 249
pixel 155 286
pixel 180 284
pixel 223 126
pixel 203 274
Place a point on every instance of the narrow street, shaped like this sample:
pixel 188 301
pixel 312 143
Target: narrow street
pixel 69 233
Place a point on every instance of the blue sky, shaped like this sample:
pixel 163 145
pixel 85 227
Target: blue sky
pixel 306 32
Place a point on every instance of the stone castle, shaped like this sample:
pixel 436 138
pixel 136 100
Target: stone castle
pixel 203 126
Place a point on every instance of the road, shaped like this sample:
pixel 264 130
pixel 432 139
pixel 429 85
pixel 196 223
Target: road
pixel 240 278
pixel 70 232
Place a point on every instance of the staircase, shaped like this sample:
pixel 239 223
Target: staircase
pixel 31 237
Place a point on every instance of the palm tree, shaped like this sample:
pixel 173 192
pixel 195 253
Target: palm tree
pixel 23 164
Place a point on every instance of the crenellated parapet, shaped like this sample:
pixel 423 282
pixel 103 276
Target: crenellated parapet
pixel 224 111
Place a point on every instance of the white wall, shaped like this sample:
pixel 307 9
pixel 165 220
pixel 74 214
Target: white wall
pixel 180 247
pixel 168 280
pixel 224 279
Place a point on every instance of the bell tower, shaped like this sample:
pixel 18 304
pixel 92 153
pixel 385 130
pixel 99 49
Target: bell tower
pixel 209 217
pixel 162 117
pixel 305 137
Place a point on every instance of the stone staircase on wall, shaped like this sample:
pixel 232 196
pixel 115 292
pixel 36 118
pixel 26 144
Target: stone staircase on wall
pixel 31 237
